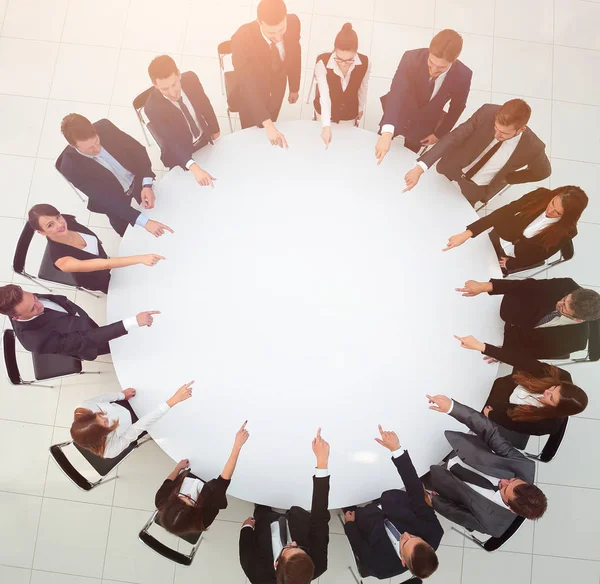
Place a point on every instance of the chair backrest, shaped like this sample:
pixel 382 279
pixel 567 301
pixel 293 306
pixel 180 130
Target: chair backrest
pixel 224 48
pixel 553 443
pixel 49 366
pixel 22 248
pixel 48 271
pixel 65 465
pixel 567 250
pixel 10 356
pixel 594 340
pixel 104 465
pixel 140 101
pixel 493 543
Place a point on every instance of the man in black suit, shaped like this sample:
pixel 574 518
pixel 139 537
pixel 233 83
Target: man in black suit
pixel 547 318
pixel 111 168
pixel 266 56
pixel 400 531
pixel 181 117
pixel 425 81
pixel 52 324
pixel 290 548
pixel 493 148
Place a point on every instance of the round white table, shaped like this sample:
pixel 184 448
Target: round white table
pixel 305 290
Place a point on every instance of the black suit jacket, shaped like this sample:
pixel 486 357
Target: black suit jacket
pixel 170 127
pixel 105 193
pixel 407 106
pixel 58 333
pixel 407 510
pixel 308 530
pixel 253 73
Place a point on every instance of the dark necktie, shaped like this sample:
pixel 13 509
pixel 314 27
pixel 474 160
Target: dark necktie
pixel 468 476
pixel 392 529
pixel 283 530
pixel 550 316
pixel 430 87
pixel 275 58
pixel 482 161
pixel 190 120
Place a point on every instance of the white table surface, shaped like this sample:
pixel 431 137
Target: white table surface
pixel 305 290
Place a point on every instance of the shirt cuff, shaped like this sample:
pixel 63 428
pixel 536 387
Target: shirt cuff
pixel 247 525
pixel 147 182
pixel 451 407
pixel 387 128
pixel 141 220
pixel 189 163
pixel 398 452
pixel 321 472
pixel 130 323
pixel 325 122
pixel 422 165
pixel 121 396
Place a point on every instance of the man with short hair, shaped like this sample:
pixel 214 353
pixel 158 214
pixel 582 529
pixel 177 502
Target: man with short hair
pixel 547 318
pixel 400 531
pixel 290 548
pixel 486 481
pixel 182 117
pixel 111 168
pixel 52 324
pixel 493 148
pixel 266 57
pixel 425 81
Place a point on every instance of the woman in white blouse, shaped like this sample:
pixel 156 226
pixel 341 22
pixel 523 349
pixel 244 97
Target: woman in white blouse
pixel 75 248
pixel 342 80
pixel 105 428
pixel 531 229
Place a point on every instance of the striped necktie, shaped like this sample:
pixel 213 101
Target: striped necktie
pixel 392 529
pixel 550 316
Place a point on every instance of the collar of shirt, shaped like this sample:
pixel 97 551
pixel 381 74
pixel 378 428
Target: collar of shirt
pixel 440 78
pixel 333 65
pixel 279 45
pixel 558 321
pixel 102 151
pixel 47 304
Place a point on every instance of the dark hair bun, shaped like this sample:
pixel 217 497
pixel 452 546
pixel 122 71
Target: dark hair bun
pixel 346 39
pixel 347 27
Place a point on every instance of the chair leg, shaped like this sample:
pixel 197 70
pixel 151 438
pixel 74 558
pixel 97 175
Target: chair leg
pixel 36 384
pixel 143 126
pixel 35 280
pixel 89 292
pixel 103 481
pixel 229 118
pixel 312 82
pixel 90 372
pixel 469 536
pixel 356 578
pixel 221 74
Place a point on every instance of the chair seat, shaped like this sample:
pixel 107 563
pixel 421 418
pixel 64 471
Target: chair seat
pixel 48 271
pixel 48 366
pixel 104 465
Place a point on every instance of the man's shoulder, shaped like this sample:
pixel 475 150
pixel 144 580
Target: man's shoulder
pixel 534 142
pixel 247 31
pixel 293 23
pixel 461 71
pixel 103 125
pixel 154 102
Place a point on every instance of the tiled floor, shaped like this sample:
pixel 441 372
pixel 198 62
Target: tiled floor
pixel 59 56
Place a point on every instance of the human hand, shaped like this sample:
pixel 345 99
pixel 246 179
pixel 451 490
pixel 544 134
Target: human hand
pixel 471 343
pixel 151 259
pixel 183 393
pixel 182 465
pixel 487 410
pixel 241 436
pixel 441 403
pixel 129 393
pixel 321 450
pixel 145 318
pixel 490 360
pixel 429 140
pixel 215 137
pixel 359 116
pixel 275 136
pixel 472 288
pixel 383 146
pixel 349 516
pixel 202 177
pixel 157 228
pixel 503 261
pixel 250 521
pixel 148 197
pixel 326 136
pixel 428 496
pixel 411 178
pixel 388 439
pixel 459 239
pixel 293 97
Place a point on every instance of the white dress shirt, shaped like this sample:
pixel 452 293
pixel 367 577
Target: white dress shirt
pixel 324 97
pixel 522 397
pixel 535 227
pixel 558 321
pixel 280 46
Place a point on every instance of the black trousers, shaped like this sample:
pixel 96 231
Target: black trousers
pixel 118 223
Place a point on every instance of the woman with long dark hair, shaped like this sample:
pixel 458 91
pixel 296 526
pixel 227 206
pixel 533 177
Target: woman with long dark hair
pixel 188 505
pixel 532 228
pixel 76 249
pixel 535 399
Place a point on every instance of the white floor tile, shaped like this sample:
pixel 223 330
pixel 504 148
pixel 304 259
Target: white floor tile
pixel 132 76
pixel 475 101
pixel 9 234
pixel 339 557
pixel 80 528
pixel 574 127
pixel 14 575
pixel 38 577
pixel 498 567
pixel 411 12
pixel 450 538
pixel 361 9
pixel 450 568
pixel 35 19
pixel 237 510
pixel 569 82
pixel 21 119
pixel 16 172
pixel 586 376
pixel 550 570
pixel 575 24
pixel 95 23
pixel 535 22
pixel 20 517
pixel 467 16
pixel 520 542
pixel 477 54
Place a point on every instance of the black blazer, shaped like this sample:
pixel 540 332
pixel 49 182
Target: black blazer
pixel 57 333
pixel 105 193
pixel 511 220
pixel 504 386
pixel 408 511
pixel 407 106
pixel 308 530
pixel 252 65
pixel 91 280
pixel 170 127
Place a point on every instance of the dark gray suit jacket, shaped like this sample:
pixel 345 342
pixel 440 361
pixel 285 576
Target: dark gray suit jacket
pixel 489 453
pixel 465 143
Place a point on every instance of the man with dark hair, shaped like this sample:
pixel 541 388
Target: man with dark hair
pixel 400 531
pixel 290 548
pixel 547 318
pixel 425 81
pixel 486 481
pixel 52 324
pixel 493 148
pixel 266 57
pixel 111 168
pixel 181 116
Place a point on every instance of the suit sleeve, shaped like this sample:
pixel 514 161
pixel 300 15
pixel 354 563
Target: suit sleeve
pixel 361 548
pixel 247 548
pixel 538 169
pixel 456 513
pixel 520 360
pixel 319 523
pixel 295 59
pixel 400 91
pixel 457 106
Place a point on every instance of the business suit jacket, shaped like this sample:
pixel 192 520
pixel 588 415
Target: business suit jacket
pixel 308 530
pixel 104 191
pixel 407 106
pixel 488 452
pixel 525 302
pixel 58 333
pixel 407 510
pixel 510 221
pixel 464 144
pixel 170 127
pixel 258 92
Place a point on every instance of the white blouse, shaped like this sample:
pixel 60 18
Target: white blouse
pixel 191 488
pixel 521 396
pixel 535 227
pixel 91 244
pixel 126 432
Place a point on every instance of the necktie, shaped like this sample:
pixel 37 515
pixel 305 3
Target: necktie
pixel 482 161
pixel 468 476
pixel 275 58
pixel 392 529
pixel 190 120
pixel 550 316
pixel 283 530
pixel 430 87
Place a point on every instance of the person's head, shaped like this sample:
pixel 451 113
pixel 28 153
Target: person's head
pixel 523 498
pixel 444 49
pixel 294 566
pixel 418 556
pixel 90 429
pixel 18 303
pixel 345 46
pixel 582 304
pixel 47 221
pixel 165 76
pixel 80 133
pixel 511 119
pixel 272 17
